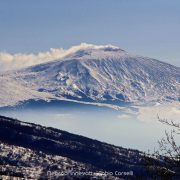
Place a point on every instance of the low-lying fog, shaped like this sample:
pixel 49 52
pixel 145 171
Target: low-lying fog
pixel 136 128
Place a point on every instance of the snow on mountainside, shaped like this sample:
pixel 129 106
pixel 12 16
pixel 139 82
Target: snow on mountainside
pixel 96 74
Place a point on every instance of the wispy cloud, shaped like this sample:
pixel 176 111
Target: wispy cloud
pixel 167 111
pixel 62 116
pixel 124 116
pixel 13 61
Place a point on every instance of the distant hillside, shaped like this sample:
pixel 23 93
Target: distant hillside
pixel 30 150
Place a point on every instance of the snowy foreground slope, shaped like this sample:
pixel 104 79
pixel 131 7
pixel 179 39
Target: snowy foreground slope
pixel 32 151
pixel 93 74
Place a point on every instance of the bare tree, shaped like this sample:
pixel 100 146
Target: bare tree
pixel 165 162
pixel 169 148
pixel 168 145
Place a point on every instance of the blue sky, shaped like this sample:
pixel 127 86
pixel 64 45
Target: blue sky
pixel 145 27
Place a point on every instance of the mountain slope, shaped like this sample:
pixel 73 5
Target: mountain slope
pixel 98 75
pixel 29 150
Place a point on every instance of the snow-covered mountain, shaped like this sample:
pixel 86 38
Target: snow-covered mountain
pixel 93 74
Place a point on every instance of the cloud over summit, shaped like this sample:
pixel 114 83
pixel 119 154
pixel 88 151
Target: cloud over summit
pixel 13 61
pixel 10 61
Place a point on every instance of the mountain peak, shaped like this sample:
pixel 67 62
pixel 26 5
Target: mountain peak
pixel 84 46
pixel 93 51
